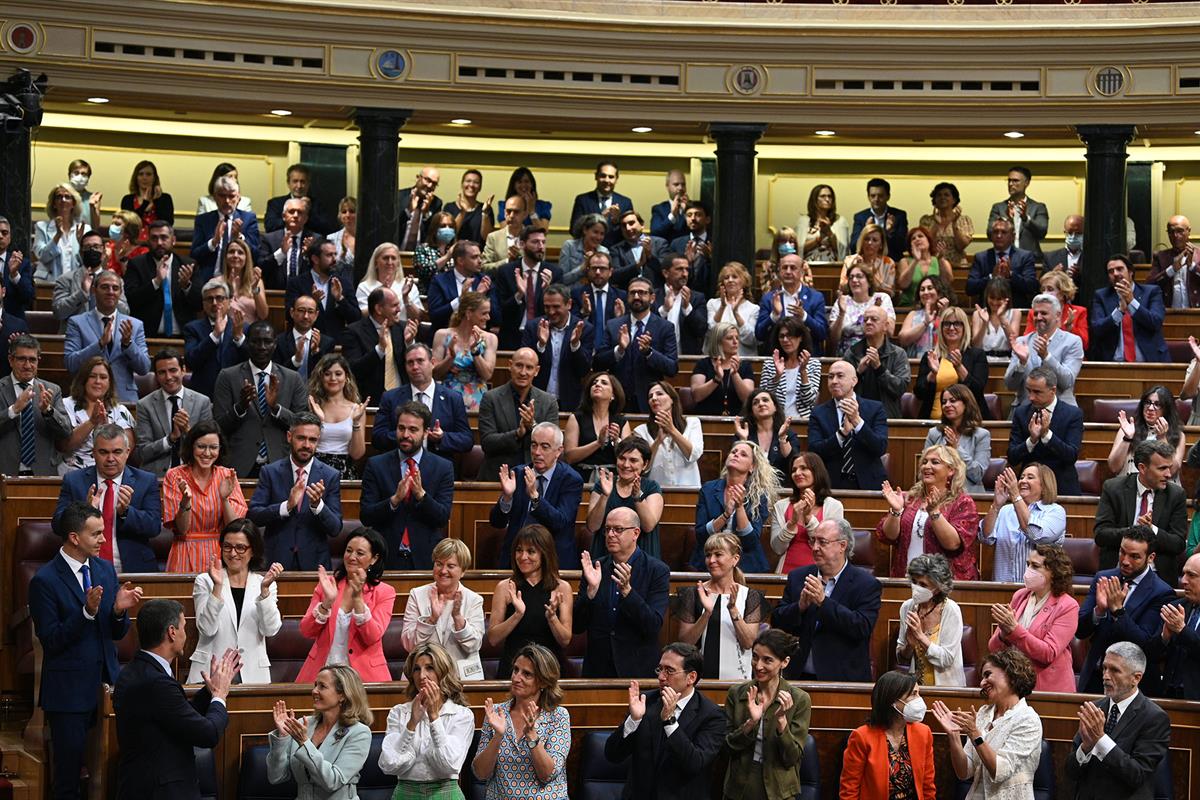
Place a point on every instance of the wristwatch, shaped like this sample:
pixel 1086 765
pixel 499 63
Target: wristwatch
pixel 1117 613
pixel 977 741
pixel 532 743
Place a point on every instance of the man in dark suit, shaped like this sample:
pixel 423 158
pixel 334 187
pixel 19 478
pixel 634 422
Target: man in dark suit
pixel 407 495
pixel 374 346
pixel 520 286
pixel 673 734
pixel 883 371
pixel 78 612
pixel 154 277
pixel 126 497
pixel 603 200
pixel 1028 217
pixel 1123 605
pixel 35 422
pixel 17 276
pixel 254 403
pixel 299 181
pixel 638 253
pixel 639 348
pixel 214 230
pixel 621 602
pixel 1177 647
pixel 564 344
pixel 597 300
pixel 1003 261
pixel 849 425
pixel 1148 498
pixel 333 289
pixel 166 415
pixel 1046 431
pixel 508 413
pixel 1123 737
pixel 417 205
pixel 303 346
pixel 216 340
pixel 10 326
pixel 675 302
pixel 1175 270
pixel 450 432
pixel 282 254
pixel 793 298
pixel 893 221
pixel 666 218
pixel 157 727
pixel 696 246
pixel 298 501
pixel 831 606
pixel 546 491
pixel 1125 313
pixel 447 286
pixel 1069 259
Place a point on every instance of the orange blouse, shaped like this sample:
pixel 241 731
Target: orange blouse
pixel 191 552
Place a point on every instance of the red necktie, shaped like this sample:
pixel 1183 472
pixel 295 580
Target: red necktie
pixel 1127 337
pixel 1145 506
pixel 412 465
pixel 106 549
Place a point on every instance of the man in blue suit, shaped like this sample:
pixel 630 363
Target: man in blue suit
pixel 638 253
pixel 685 309
pixel 603 200
pixel 696 246
pixel 10 325
pixel 639 348
pixel 1125 313
pixel 546 491
pixel 1178 645
pixel 793 298
pixel 216 341
pixel 597 300
pixel 1003 261
pixel 17 280
pixel 214 230
pixel 894 221
pixel 831 606
pixel 849 433
pixel 407 495
pixel 119 338
pixel 78 611
pixel 333 289
pixel 298 501
pixel 447 286
pixel 666 218
pixel 450 433
pixel 521 285
pixel 1123 605
pixel 126 497
pixel 564 345
pixel 1045 431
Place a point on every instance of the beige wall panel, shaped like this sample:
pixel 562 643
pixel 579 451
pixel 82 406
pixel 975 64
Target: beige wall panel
pixel 786 80
pixel 1150 81
pixel 1066 82
pixel 1184 199
pixel 706 79
pixel 430 66
pixel 350 62
pixel 64 40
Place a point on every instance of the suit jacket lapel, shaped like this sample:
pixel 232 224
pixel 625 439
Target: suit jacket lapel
pixel 68 577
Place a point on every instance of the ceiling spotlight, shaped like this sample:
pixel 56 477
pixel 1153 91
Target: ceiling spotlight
pixel 281 112
pixel 1014 135
pixel 98 100
pixel 641 129
pixel 460 121
pixel 825 133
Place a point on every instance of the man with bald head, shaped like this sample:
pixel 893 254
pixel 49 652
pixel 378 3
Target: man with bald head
pixel 508 413
pixel 375 344
pixel 667 219
pixel 849 432
pixel 883 371
pixel 1176 270
pixel 1068 258
pixel 1177 647
pixel 417 204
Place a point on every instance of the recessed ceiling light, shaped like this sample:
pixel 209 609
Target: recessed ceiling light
pixel 1196 132
pixel 825 133
pixel 98 100
pixel 460 121
pixel 281 112
pixel 1014 135
pixel 641 129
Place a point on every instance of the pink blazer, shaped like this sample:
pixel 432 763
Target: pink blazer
pixel 365 642
pixel 1047 640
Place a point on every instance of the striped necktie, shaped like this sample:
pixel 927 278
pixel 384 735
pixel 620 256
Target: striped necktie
pixel 262 411
pixel 28 431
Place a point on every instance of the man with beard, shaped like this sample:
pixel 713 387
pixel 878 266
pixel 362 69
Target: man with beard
pixel 679 305
pixel 1047 345
pixel 333 289
pixel 520 286
pixel 450 433
pixel 696 245
pixel 638 348
pixel 638 253
pixel 298 501
pixel 159 286
pixel 466 276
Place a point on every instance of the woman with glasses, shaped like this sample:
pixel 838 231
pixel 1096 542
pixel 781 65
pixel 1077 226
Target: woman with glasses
pixel 200 497
pixel 792 374
pixel 951 360
pixel 58 240
pixel 1156 418
pixel 224 618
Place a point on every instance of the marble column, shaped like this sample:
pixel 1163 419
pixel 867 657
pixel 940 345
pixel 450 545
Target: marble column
pixel 378 173
pixel 734 229
pixel 1104 203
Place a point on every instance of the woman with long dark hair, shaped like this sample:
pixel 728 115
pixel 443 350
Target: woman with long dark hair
pixel 764 423
pixel 795 518
pixel 676 442
pixel 962 429
pixel 1156 417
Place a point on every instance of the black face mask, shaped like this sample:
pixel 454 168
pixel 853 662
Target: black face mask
pixel 91 258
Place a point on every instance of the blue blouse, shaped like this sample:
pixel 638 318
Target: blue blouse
pixel 709 507
pixel 514 777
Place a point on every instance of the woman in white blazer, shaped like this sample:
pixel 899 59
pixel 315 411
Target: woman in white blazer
pixel 446 612
pixel 236 607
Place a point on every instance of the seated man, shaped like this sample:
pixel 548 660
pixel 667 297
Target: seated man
pixel 638 253
pixel 831 607
pixel 298 501
pixel 166 415
pixel 508 413
pixel 621 602
pixel 16 274
pixel 333 289
pixel 794 298
pixel 1126 318
pixel 1029 219
pixel 849 433
pixel 882 365
pixel 596 299
pixel 447 286
pixel 374 346
pixel 303 346
pixel 1123 605
pixel 33 422
pixel 686 310
pixel 638 348
pixel 444 404
pixel 127 498
pixel 118 338
pixel 159 285
pixel 696 245
pixel 213 230
pixel 1047 345
pixel 1177 648
pixel 216 340
pixel 73 290
pixel 282 254
pixel 1147 497
pixel 545 491
pixel 1176 270
pixel 672 734
pixel 407 495
pixel 564 344
pixel 1003 260
pixel 1069 258
pixel 1045 431
pixel 299 181
pixel 520 286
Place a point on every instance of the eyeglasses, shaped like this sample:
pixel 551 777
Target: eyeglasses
pixel 952 323
pixel 823 542
pixel 208 448
pixel 619 530
pixel 668 671
pixel 1153 404
pixel 234 548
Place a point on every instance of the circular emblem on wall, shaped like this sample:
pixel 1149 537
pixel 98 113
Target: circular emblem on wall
pixel 21 37
pixel 747 79
pixel 391 64
pixel 1109 81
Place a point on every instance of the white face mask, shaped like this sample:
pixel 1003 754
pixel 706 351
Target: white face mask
pixel 914 710
pixel 920 594
pixel 80 180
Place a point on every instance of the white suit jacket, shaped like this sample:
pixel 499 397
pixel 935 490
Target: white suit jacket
pixel 219 628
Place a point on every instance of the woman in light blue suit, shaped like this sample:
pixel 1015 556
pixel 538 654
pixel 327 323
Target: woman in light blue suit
pixel 324 753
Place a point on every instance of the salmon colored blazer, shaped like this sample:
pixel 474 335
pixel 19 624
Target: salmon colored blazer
pixel 366 641
pixel 865 764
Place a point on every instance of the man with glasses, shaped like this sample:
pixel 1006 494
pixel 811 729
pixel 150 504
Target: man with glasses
pixel 214 230
pixel 679 305
pixel 303 346
pixel 418 203
pixel 673 734
pixel 882 365
pixel 1046 345
pixel 638 348
pixel 1175 270
pixel 118 338
pixel 831 605
pixel 34 420
pixel 216 340
pixel 73 290
pixel 621 602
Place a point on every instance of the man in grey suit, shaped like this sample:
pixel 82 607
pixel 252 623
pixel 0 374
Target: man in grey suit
pixel 254 402
pixel 1047 345
pixel 165 415
pixel 118 338
pixel 73 290
pixel 1030 218
pixel 508 413
pixel 33 420
pixel 1123 737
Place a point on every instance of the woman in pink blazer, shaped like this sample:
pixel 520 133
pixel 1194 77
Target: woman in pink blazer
pixel 350 611
pixel 1041 619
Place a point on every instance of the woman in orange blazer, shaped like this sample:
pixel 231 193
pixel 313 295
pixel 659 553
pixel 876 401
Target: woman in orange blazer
pixel 891 757
pixel 353 633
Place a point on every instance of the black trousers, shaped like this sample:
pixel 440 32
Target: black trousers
pixel 68 741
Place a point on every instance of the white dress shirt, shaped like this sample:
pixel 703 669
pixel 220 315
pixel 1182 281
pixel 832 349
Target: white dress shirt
pixel 1105 744
pixel 671 725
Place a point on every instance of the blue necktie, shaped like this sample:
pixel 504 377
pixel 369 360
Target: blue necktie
pixel 262 411
pixel 599 312
pixel 640 329
pixel 294 257
pixel 28 431
pixel 86 571
pixel 304 359
pixel 168 310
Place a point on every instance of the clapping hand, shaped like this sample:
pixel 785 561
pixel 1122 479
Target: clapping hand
pixel 216 574
pixel 637 702
pixel 708 600
pixel 1091 726
pixel 591 573
pixel 1002 615
pixel 1173 619
pixel 604 477
pixel 893 496
pixel 670 701
pixel 269 577
pixel 221 672
pixel 508 481
pixel 316 491
pixel 328 584
pixel 1127 425
pixel 741 428
pixel 621 575
pixel 756 704
pixel 781 713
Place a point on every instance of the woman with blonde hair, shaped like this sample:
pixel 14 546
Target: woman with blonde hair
pixel 872 255
pixel 324 753
pixel 123 243
pixel 428 737
pixel 343 238
pixel 333 397
pixel 936 516
pixel 384 269
pixel 464 354
pixel 245 282
pixel 446 613
pixel 721 381
pixel 739 501
pixel 733 305
pixel 951 360
pixel 1024 514
pixel 57 240
pixel 826 234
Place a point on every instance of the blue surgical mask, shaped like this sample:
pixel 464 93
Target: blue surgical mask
pixel 445 235
pixel 1075 240
pixel 787 249
pixel 114 232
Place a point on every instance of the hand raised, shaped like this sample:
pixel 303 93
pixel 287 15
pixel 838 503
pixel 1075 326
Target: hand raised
pixel 637 701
